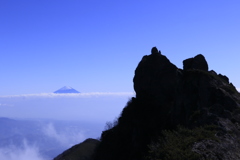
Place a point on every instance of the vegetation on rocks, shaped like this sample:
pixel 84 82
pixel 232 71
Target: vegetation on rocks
pixel 177 144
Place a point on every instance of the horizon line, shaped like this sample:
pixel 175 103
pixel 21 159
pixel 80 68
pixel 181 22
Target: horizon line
pixel 81 94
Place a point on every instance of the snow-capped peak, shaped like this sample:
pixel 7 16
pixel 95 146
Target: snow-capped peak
pixel 66 89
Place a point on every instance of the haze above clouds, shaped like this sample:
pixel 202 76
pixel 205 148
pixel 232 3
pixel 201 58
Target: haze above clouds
pixel 98 107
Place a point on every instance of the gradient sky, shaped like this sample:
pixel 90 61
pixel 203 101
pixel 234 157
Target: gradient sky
pixel 95 46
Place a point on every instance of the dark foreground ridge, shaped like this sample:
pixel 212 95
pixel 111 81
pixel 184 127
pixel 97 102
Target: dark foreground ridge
pixel 177 114
pixel 82 151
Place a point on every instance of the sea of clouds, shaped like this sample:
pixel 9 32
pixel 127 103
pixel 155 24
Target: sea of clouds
pixel 41 139
pixel 91 110
pixel 95 106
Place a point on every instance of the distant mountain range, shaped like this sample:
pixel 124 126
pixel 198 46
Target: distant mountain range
pixel 66 89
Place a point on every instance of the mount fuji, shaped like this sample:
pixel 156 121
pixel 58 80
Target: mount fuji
pixel 66 89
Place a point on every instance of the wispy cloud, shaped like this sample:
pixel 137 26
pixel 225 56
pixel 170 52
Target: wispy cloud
pixel 24 153
pixel 66 139
pixel 4 104
pixel 83 95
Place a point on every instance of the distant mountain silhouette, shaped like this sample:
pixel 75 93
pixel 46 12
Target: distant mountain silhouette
pixel 66 89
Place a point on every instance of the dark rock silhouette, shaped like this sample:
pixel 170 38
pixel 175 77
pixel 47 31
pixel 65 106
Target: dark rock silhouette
pixel 167 97
pixel 156 76
pixel 198 62
pixel 155 51
pixel 202 102
pixel 82 151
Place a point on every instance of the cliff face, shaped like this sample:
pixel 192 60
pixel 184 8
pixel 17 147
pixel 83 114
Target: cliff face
pixel 168 97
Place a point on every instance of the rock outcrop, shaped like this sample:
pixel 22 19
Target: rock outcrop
pixel 168 97
pixel 155 76
pixel 198 62
pixel 188 113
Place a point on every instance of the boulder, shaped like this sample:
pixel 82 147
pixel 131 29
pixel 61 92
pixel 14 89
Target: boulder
pixel 155 76
pixel 198 62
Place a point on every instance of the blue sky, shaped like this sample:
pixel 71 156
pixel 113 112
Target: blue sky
pixel 95 46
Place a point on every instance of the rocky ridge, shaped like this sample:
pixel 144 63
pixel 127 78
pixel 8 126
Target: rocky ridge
pixel 82 151
pixel 168 97
pixel 189 113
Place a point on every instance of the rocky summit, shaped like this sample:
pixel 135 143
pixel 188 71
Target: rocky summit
pixel 177 114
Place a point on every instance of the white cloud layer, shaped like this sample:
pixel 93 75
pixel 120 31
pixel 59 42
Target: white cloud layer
pixel 77 95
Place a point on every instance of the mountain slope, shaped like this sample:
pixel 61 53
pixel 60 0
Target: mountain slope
pixel 171 103
pixel 66 89
pixel 82 151
pixel 177 114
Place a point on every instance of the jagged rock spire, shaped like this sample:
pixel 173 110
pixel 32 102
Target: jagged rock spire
pixel 155 51
pixel 151 74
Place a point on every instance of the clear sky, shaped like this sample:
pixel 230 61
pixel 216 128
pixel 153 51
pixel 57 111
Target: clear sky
pixel 95 46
